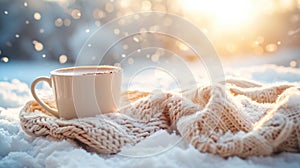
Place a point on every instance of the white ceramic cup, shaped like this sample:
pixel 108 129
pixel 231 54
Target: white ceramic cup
pixel 83 91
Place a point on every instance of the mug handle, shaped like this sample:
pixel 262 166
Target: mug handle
pixel 42 103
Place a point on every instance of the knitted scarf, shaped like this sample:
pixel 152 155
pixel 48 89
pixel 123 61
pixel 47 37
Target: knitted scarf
pixel 236 118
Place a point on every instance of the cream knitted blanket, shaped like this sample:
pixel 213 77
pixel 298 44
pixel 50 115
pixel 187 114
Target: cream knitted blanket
pixel 240 118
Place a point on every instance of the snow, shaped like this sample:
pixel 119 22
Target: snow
pixel 14 93
pixel 293 99
pixel 17 149
pixel 269 73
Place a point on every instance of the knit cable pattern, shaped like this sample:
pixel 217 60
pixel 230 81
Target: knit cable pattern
pixel 240 118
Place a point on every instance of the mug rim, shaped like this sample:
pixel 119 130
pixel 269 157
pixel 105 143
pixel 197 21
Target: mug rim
pixel 59 72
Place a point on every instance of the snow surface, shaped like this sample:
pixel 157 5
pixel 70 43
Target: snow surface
pixel 162 149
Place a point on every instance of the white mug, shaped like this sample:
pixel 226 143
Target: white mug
pixel 82 91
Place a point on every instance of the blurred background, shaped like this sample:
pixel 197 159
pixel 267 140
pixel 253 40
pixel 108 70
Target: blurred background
pixel 49 33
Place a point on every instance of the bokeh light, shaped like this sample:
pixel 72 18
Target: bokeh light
pixel 130 61
pixel 59 22
pixel 37 16
pixel 38 46
pixel 236 28
pixel 67 22
pixel 293 63
pixel 4 59
pixel 109 7
pixel 271 47
pixel 63 59
pixel 76 14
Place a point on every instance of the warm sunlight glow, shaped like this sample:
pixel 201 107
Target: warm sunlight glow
pixel 228 14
